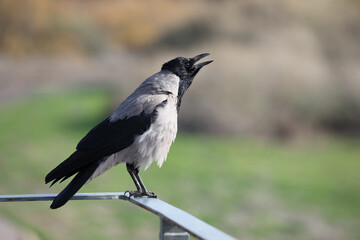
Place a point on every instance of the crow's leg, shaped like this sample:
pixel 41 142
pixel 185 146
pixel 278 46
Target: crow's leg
pixel 144 192
pixel 141 189
pixel 130 168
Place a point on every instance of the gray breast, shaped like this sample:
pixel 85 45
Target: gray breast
pixel 153 144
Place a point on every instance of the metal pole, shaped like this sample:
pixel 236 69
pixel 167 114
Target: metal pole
pixel 175 224
pixel 169 231
pixel 50 197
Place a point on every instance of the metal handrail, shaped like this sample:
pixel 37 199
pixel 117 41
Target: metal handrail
pixel 175 223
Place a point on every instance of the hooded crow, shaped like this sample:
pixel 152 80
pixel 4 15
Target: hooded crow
pixel 140 131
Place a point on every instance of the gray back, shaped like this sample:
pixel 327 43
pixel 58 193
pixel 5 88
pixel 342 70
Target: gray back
pixel 148 95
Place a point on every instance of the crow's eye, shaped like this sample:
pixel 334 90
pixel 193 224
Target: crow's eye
pixel 187 65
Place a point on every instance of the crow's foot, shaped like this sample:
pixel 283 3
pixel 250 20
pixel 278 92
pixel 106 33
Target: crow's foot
pixel 141 194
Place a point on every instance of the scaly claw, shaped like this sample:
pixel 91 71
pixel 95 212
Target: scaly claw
pixel 140 194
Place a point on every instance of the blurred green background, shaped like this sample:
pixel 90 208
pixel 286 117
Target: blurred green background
pixel 269 134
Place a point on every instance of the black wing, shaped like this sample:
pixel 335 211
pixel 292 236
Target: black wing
pixel 103 140
pixel 110 137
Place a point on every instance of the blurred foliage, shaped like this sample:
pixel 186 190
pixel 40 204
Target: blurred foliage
pixel 287 67
pixel 250 189
pixel 46 26
pixel 284 69
pixel 38 26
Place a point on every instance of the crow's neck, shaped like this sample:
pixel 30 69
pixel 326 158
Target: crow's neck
pixel 183 86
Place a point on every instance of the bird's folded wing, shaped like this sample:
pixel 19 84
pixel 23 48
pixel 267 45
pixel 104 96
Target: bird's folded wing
pixel 110 137
pixel 103 140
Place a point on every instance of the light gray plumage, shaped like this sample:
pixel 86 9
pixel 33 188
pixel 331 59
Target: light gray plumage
pixel 140 131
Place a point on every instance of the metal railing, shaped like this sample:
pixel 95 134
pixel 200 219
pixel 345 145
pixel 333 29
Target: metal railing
pixel 175 224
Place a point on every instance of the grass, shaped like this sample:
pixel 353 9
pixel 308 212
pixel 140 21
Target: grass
pixel 250 189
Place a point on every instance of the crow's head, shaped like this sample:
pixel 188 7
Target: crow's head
pixel 185 69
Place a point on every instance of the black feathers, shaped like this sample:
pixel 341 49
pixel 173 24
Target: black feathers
pixel 69 167
pixel 103 140
pixel 179 66
pixel 186 70
pixel 110 137
pixel 74 186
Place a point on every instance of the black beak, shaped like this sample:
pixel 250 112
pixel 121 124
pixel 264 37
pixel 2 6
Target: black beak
pixel 197 67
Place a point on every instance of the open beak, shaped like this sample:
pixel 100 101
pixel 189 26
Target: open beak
pixel 195 59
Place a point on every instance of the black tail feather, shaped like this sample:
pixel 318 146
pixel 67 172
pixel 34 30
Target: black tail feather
pixel 69 167
pixel 55 181
pixel 79 180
